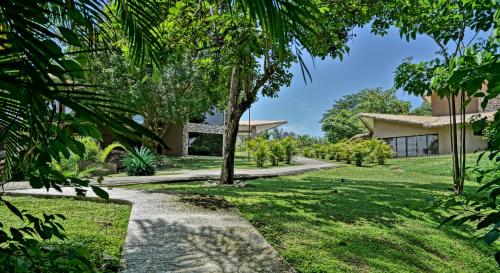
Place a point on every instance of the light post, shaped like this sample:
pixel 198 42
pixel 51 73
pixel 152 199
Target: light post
pixel 249 130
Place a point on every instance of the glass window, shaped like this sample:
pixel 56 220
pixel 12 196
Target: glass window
pixel 391 142
pixel 411 146
pixel 205 144
pixel 401 146
pixel 422 148
pixel 433 145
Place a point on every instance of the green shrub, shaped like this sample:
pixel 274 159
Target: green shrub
pixel 67 166
pixel 379 151
pixel 360 151
pixel 344 151
pixel 143 162
pixel 259 149
pixel 319 151
pixel 308 152
pixel 290 146
pixel 332 151
pixel 276 152
pixel 103 154
pixel 92 149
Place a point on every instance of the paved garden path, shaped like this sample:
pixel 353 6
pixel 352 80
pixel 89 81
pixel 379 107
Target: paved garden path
pixel 304 165
pixel 186 233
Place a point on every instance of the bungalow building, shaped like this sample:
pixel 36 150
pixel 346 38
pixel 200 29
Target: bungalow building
pixel 410 135
pixel 203 136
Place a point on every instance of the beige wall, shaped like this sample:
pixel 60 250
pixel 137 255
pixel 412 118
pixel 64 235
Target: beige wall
pixel 440 106
pixel 473 143
pixel 384 129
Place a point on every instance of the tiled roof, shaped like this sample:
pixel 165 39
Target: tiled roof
pixel 426 121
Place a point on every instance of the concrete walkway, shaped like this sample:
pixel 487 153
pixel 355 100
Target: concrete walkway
pixel 182 233
pixel 305 165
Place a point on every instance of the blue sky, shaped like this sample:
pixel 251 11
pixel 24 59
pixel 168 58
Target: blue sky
pixel 370 63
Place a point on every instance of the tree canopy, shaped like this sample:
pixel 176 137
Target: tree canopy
pixel 171 94
pixel 341 121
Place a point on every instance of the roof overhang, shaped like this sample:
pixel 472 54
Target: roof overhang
pixel 368 122
pixel 259 126
pixel 424 121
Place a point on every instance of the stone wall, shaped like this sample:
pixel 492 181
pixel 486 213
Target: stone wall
pixel 493 105
pixel 198 128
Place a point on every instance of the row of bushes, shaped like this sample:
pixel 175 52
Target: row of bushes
pixel 274 150
pixel 372 150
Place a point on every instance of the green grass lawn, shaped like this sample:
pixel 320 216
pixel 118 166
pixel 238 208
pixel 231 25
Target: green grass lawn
pixel 357 219
pixel 100 227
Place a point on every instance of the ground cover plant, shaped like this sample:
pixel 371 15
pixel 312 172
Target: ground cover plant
pixel 99 227
pixel 358 219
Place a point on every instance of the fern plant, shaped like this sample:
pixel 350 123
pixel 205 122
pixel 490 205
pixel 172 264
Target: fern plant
pixel 140 163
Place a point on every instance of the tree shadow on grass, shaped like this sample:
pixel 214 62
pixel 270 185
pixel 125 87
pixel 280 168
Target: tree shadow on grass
pixel 282 206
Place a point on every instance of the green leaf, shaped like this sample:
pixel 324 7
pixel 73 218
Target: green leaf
pixel 489 220
pixel 100 192
pixel 447 220
pixel 14 209
pixel 70 36
pixel 18 236
pixel 73 68
pixel 491 236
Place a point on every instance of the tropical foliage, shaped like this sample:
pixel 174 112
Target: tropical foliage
pixel 341 121
pixel 290 145
pixel 276 151
pixel 259 149
pixel 273 150
pixel 142 162
pixel 168 95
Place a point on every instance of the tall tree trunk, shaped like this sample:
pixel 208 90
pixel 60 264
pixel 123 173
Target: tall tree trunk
pixel 463 150
pixel 454 146
pixel 231 123
pixel 231 133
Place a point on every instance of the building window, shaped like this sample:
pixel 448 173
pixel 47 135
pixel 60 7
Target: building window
pixel 401 146
pixel 420 145
pixel 432 144
pixel 205 144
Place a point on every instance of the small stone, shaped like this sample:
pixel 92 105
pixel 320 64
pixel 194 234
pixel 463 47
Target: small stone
pixel 209 184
